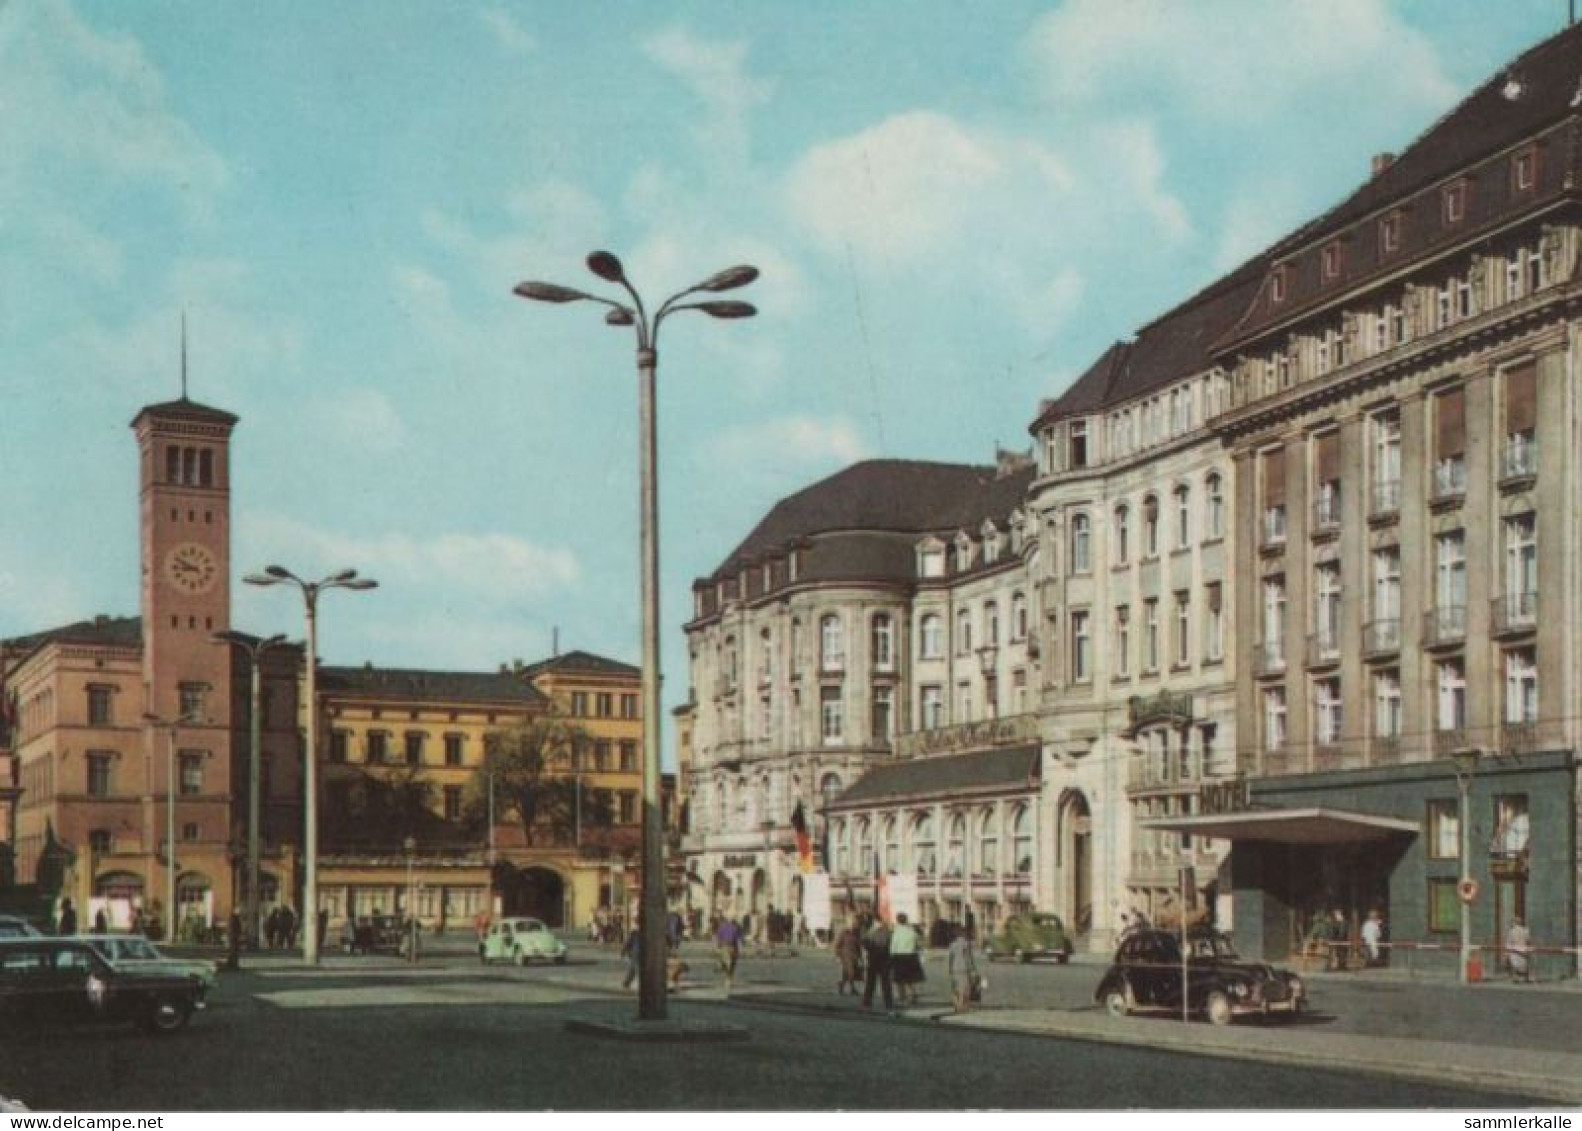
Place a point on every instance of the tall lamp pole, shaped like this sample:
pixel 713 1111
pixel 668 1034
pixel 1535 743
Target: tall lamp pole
pixel 345 579
pixel 1466 768
pixel 651 975
pixel 255 650
pixel 170 726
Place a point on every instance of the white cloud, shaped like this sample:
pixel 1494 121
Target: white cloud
pixel 716 72
pixel 798 442
pixel 510 35
pixel 1230 59
pixel 360 418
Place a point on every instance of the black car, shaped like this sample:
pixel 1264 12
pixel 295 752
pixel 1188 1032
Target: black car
pixel 1147 974
pixel 375 934
pixel 50 981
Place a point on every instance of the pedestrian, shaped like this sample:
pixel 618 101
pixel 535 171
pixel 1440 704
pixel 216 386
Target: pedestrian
pixel 1518 951
pixel 67 923
pixel 876 955
pixel 632 951
pixel 673 930
pixel 1339 946
pixel 963 971
pixel 324 926
pixel 288 928
pixel 101 922
pixel 972 926
pixel 728 949
pixel 1372 937
pixel 848 952
pixel 906 962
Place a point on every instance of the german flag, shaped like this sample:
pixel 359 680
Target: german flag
pixel 804 843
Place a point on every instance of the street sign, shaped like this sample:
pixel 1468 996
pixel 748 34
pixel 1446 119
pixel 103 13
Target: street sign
pixel 1467 889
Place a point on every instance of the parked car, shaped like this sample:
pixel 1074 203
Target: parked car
pixel 52 981
pixel 1147 975
pixel 375 934
pixel 16 927
pixel 134 952
pixel 1028 936
pixel 520 941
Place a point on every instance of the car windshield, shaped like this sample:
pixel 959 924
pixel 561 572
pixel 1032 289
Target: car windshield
pixel 1212 946
pixel 139 948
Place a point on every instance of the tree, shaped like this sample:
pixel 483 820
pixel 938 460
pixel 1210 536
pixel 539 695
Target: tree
pixel 377 811
pixel 534 765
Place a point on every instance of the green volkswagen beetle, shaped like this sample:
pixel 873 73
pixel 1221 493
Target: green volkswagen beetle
pixel 520 941
pixel 1028 936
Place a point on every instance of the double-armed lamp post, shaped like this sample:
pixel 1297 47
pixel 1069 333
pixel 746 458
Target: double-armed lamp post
pixel 651 974
pixel 345 579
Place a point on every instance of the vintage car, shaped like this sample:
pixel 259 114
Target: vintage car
pixel 134 952
pixel 1028 936
pixel 1147 976
pixel 54 981
pixel 520 941
pixel 375 934
pixel 16 927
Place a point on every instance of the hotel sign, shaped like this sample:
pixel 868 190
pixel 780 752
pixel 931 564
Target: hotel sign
pixel 984 735
pixel 1223 797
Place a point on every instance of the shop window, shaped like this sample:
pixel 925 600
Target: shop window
pixel 1444 909
pixel 1444 829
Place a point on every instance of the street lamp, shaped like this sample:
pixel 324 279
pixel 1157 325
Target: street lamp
pixel 255 650
pixel 651 976
pixel 170 726
pixel 1466 767
pixel 345 579
pixel 409 846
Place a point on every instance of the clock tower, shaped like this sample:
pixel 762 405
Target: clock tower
pixel 185 497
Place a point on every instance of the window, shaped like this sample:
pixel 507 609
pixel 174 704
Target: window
pixel 191 762
pixel 601 755
pixel 1386 430
pixel 1183 633
pixel 831 720
pixel 1150 636
pixel 930 642
pixel 832 644
pixel 1081 648
pixel 988 844
pixel 1450 582
pixel 1022 840
pixel 628 754
pixel 190 832
pixel 1213 508
pixel 1331 261
pixel 627 813
pixel 604 704
pixel 991 625
pixel 923 848
pixel 1386 597
pixel 1450 443
pixel 1387 704
pixel 1512 826
pixel 1519 457
pixel 1454 203
pixel 453 749
pixel 1444 908
pixel 1081 540
pixel 1452 695
pixel 628 705
pixel 338 742
pixel 932 707
pixel 931 562
pixel 1018 617
pixel 890 836
pixel 1277 285
pixel 1183 499
pixel 1078 433
pixel 101 842
pixel 377 742
pixel 1150 527
pixel 1521 686
pixel 414 748
pixel 453 802
pixel 1274 718
pixel 1524 170
pixel 1123 640
pixel 101 701
pixel 1390 233
pixel 1444 829
pixel 1122 526
pixel 883 698
pixel 100 783
pixel 883 642
pixel 194 701
pixel 956 846
pixel 1214 625
pixel 1326 480
pixel 1327 608
pixel 963 632
pixel 1521 573
pixel 579 704
pixel 963 702
pixel 1326 711
pixel 1018 691
pixel 1271 466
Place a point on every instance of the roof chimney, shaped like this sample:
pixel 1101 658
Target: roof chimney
pixel 1381 162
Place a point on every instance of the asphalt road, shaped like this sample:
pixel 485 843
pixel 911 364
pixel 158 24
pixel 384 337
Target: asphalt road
pixel 454 1036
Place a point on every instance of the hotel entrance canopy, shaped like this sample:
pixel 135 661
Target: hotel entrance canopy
pixel 1288 826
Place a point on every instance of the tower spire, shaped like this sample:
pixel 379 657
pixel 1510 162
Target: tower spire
pixel 183 354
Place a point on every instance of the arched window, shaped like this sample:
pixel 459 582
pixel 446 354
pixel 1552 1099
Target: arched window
pixel 956 846
pixel 883 642
pixel 766 657
pixel 1183 500
pixel 1150 527
pixel 865 846
pixel 892 844
pixel 1022 840
pixel 931 646
pixel 963 632
pixel 1123 531
pixel 988 848
pixel 841 848
pixel 1213 508
pixel 1018 616
pixel 1081 544
pixel 991 624
pixel 832 644
pixel 923 846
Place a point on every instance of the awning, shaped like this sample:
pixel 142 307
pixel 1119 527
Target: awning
pixel 1288 826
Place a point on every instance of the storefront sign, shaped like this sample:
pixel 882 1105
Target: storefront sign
pixel 1223 796
pixel 982 735
pixel 741 860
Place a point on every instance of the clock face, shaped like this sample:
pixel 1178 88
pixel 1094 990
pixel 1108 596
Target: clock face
pixel 191 568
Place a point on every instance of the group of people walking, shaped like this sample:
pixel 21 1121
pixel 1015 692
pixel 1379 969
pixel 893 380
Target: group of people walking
pixel 890 959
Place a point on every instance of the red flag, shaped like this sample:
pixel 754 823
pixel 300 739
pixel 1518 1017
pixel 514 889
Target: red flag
pixel 804 843
pixel 881 889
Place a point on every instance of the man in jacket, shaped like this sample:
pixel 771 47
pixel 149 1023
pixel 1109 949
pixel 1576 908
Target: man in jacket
pixel 876 948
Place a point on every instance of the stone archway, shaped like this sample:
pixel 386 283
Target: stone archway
pixel 1075 830
pixel 536 892
pixel 720 895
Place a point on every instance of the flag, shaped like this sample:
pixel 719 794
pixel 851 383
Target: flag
pixel 881 889
pixel 804 843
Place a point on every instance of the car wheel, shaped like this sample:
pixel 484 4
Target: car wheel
pixel 521 958
pixel 1021 956
pixel 167 1015
pixel 1063 957
pixel 560 960
pixel 1116 1003
pixel 1217 1008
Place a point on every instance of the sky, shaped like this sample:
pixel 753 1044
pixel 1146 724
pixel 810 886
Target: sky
pixel 955 209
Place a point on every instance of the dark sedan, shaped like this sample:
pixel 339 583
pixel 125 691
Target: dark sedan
pixel 1147 975
pixel 47 981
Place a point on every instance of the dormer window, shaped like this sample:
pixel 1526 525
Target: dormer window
pixel 1453 203
pixel 1278 285
pixel 1390 234
pixel 1331 262
pixel 991 545
pixel 963 554
pixel 1524 170
pixel 931 560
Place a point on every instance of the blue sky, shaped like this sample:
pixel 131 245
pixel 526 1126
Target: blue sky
pixel 955 209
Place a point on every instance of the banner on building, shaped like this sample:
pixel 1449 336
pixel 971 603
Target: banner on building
pixel 815 901
pixel 903 895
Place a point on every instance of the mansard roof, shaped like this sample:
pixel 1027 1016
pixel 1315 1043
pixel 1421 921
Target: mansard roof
pixel 884 497
pixel 581 663
pixel 103 631
pixel 944 775
pixel 433 686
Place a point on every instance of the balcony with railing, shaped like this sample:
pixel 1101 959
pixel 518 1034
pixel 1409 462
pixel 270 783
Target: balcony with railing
pixel 1281 759
pixel 1274 526
pixel 1323 648
pixel 1381 637
pixel 1386 498
pixel 1448 740
pixel 1385 749
pixel 1450 480
pixel 1336 755
pixel 1518 459
pixel 1524 737
pixel 1326 511
pixel 1514 613
pixel 1444 626
pixel 1268 658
